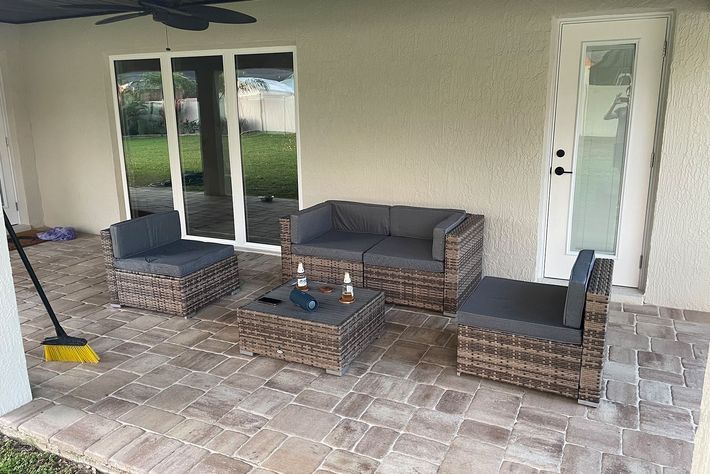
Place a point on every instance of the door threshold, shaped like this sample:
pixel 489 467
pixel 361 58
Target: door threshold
pixel 624 294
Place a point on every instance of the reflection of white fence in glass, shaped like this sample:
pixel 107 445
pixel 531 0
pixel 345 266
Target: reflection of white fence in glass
pixel 267 112
pixel 261 112
pixel 188 110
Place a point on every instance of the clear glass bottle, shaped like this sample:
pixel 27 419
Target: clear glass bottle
pixel 301 280
pixel 347 296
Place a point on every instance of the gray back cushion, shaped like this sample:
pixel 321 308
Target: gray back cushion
pixel 417 222
pixel 438 247
pixel 310 223
pixel 361 217
pixel 577 289
pixel 145 233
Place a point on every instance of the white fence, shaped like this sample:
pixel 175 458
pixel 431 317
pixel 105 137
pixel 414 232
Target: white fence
pixel 261 112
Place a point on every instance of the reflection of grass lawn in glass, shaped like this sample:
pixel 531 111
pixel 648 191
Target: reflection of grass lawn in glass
pixel 268 161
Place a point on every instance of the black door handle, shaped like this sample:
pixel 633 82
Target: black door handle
pixel 559 171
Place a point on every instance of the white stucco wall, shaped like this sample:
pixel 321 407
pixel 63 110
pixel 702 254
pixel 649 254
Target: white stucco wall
pixel 21 140
pixel 14 383
pixel 679 275
pixel 406 101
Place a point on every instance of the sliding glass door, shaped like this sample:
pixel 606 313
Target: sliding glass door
pixel 178 114
pixel 142 134
pixel 198 83
pixel 267 129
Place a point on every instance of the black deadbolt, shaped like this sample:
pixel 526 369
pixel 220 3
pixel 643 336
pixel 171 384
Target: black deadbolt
pixel 559 171
pixel 560 153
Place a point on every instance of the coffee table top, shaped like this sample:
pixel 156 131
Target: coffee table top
pixel 330 311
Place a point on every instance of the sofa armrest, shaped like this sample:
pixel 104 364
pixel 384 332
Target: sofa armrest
pixel 438 243
pixel 107 250
pixel 463 261
pixel 594 331
pixel 310 223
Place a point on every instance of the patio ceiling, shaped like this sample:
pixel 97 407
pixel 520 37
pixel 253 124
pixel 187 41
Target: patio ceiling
pixel 31 11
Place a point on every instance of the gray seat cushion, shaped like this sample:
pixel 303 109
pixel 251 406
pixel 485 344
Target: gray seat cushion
pixel 361 217
pixel 310 223
pixel 141 234
pixel 404 252
pixel 176 259
pixel 338 245
pixel 577 289
pixel 519 307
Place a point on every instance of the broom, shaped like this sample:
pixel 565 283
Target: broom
pixel 62 347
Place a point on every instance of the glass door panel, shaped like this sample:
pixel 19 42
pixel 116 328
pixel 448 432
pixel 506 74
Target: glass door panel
pixel 145 145
pixel 267 123
pixel 204 155
pixel 606 81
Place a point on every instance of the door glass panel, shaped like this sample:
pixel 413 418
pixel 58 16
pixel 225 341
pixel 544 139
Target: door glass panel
pixel 145 145
pixel 267 124
pixel 604 101
pixel 204 153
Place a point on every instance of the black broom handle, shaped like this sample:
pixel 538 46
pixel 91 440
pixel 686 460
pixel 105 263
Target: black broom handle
pixel 33 276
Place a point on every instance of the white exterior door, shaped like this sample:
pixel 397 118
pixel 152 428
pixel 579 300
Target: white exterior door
pixel 607 95
pixel 8 196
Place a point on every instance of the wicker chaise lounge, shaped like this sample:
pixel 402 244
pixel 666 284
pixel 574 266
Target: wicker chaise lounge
pixel 420 257
pixel 149 266
pixel 545 337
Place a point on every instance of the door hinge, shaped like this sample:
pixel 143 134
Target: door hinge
pixel 641 261
pixel 17 206
pixel 653 158
pixel 665 48
pixel 7 141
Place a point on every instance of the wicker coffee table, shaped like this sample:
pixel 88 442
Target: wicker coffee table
pixel 329 338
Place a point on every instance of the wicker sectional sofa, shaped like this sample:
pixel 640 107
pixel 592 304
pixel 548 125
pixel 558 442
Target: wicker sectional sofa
pixel 545 337
pixel 421 257
pixel 149 266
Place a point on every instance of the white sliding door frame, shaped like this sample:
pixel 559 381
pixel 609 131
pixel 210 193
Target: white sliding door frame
pixel 171 130
pixel 233 136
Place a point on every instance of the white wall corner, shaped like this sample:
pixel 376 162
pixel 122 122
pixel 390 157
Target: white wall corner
pixel 15 386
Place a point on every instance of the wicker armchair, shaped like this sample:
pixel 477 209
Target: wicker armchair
pixel 549 361
pixel 437 291
pixel 176 295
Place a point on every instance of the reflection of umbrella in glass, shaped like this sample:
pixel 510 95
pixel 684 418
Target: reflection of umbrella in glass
pixel 613 64
pixel 289 82
pixel 256 85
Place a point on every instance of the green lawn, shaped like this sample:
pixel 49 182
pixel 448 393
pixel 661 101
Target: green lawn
pixel 19 458
pixel 268 161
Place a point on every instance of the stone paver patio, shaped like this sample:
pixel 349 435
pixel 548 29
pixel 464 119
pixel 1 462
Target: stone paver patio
pixel 173 395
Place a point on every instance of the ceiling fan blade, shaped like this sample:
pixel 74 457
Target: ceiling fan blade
pixel 103 8
pixel 127 16
pixel 163 8
pixel 182 22
pixel 217 14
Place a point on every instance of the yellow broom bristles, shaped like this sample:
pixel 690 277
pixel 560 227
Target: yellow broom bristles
pixel 83 354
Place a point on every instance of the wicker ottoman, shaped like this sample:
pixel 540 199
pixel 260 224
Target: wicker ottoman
pixel 329 338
